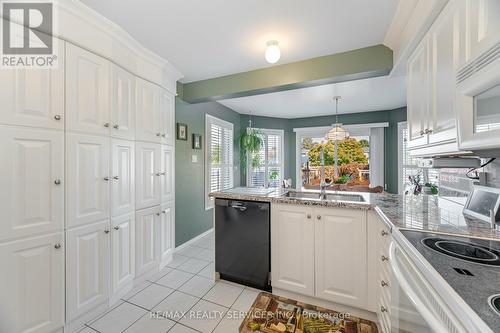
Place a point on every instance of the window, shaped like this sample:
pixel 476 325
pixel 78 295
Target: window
pixel 408 165
pixel 265 168
pixel 218 157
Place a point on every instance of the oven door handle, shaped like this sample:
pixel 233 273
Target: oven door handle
pixel 424 310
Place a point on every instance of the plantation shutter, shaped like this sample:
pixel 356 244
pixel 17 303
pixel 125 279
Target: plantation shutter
pixel 219 157
pixel 269 171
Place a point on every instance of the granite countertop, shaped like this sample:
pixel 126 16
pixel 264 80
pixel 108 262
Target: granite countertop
pixel 423 213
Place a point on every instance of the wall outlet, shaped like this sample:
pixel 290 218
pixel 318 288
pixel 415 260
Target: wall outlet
pixel 194 158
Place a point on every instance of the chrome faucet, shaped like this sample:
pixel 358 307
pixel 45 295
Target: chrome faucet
pixel 323 184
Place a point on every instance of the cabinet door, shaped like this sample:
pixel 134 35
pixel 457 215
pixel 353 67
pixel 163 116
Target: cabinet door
pixel 88 179
pixel 33 97
pixel 447 45
pixel 167 173
pixel 87 268
pixel 484 22
pixel 417 95
pixel 340 256
pixel 292 249
pixel 146 240
pixel 148 175
pixel 122 252
pixel 166 233
pixel 87 92
pixel 32 285
pixel 167 116
pixel 122 104
pixel 123 172
pixel 148 112
pixel 32 175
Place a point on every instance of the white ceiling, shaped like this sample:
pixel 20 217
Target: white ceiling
pixel 374 94
pixel 211 38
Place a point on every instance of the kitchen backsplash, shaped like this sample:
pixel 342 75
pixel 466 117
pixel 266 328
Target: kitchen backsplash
pixel 454 182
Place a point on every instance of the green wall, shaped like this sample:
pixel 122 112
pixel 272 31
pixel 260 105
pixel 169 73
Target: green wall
pixel 390 138
pixel 191 218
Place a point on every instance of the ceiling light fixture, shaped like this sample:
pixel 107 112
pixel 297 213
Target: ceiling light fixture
pixel 337 133
pixel 273 52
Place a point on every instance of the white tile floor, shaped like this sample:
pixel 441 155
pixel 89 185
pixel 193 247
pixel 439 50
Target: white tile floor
pixel 186 290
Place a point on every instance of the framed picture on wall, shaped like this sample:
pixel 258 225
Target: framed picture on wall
pixel 196 141
pixel 182 131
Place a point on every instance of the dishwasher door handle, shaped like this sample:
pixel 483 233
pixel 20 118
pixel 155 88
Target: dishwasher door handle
pixel 239 207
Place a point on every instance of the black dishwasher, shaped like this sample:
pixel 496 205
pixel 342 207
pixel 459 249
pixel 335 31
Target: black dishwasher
pixel 242 242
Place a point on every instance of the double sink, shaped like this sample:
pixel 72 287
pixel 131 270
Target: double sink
pixel 325 196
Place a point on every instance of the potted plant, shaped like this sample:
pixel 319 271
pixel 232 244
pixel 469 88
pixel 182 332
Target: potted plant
pixel 250 145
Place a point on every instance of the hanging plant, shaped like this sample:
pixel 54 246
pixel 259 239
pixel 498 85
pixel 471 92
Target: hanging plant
pixel 250 145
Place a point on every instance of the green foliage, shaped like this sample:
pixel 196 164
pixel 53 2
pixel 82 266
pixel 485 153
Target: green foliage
pixel 216 155
pixel 307 143
pixel 364 143
pixel 250 145
pixel 350 151
pixel 274 175
pixel 344 179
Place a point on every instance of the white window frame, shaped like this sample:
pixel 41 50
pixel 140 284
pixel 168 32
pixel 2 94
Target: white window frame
pixel 209 120
pixel 267 132
pixel 401 182
pixel 304 132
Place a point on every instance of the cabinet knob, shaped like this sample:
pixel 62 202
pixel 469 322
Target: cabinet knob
pixel 384 233
pixel 383 308
pixel 106 231
pixel 158 214
pixel 57 117
pixel 308 216
pixel 116 126
pixel 117 227
pixel 116 177
pixel 158 174
pixel 163 173
pixel 384 258
pixel 57 246
pixel 57 182
pixel 106 178
pixel 158 134
pixel 318 217
pixel 383 283
pixel 164 212
pixel 106 124
pixel 164 135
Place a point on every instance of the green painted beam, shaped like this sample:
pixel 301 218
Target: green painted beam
pixel 352 65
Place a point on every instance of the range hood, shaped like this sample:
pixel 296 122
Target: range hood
pixel 449 162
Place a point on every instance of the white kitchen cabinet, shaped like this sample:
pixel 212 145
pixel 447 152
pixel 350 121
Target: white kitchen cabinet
pixel 33 97
pixel 32 285
pixel 148 115
pixel 148 174
pixel 166 231
pixel 87 268
pixel 87 92
pixel 167 117
pixel 146 240
pixel 417 95
pixel 122 103
pixel 122 255
pixel 32 176
pixel 167 174
pixel 123 177
pixel 88 179
pixel 484 23
pixel 340 256
pixel 447 41
pixel 292 252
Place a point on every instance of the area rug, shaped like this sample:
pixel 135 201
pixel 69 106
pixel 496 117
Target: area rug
pixel 274 314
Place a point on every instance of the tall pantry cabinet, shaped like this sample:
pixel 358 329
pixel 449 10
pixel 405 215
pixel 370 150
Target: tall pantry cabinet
pixel 87 199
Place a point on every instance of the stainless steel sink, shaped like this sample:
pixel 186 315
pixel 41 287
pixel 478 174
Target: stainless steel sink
pixel 328 196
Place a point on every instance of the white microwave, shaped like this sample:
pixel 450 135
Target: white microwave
pixel 478 102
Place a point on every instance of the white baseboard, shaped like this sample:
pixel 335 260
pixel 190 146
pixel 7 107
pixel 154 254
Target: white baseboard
pixel 361 313
pixel 193 240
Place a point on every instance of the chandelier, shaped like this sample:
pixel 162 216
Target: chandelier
pixel 337 133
